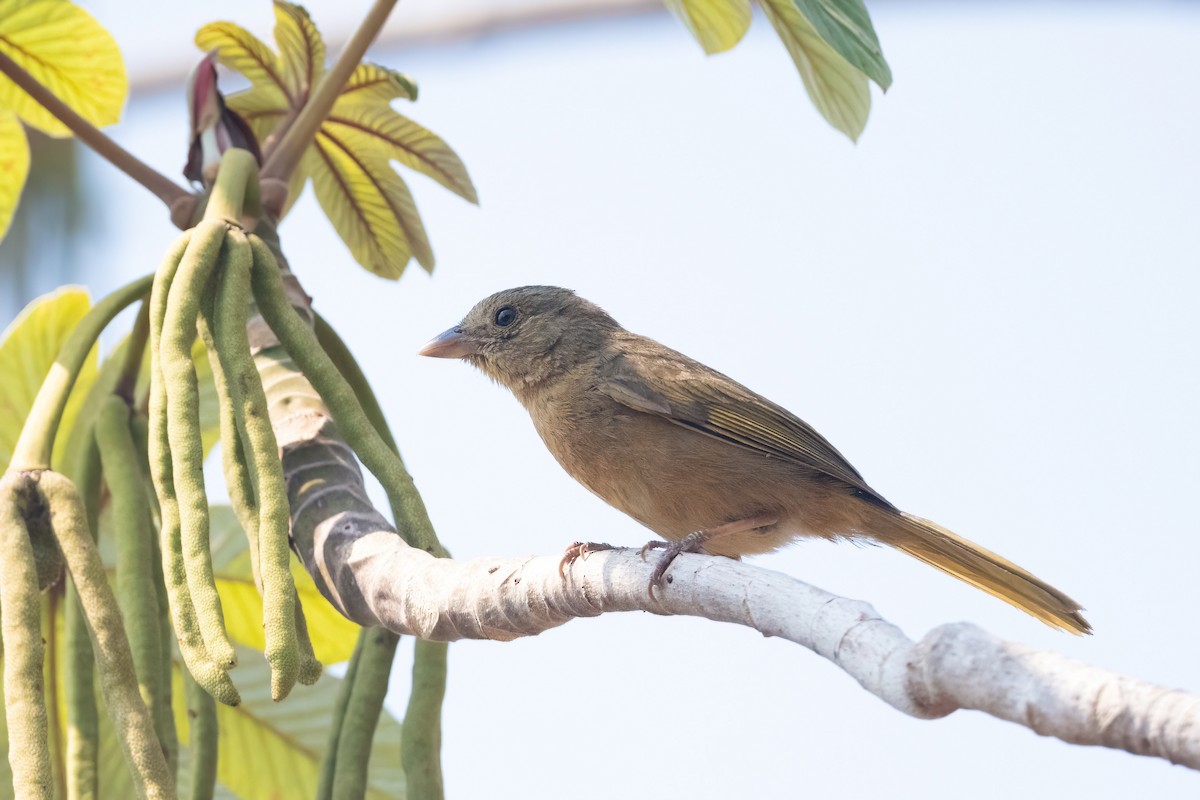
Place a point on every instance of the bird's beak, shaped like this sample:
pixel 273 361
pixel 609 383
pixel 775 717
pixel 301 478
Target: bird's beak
pixel 451 344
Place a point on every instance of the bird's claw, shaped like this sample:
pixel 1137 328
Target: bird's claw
pixel 653 544
pixel 691 543
pixel 579 550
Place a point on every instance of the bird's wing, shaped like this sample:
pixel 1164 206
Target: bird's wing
pixel 651 378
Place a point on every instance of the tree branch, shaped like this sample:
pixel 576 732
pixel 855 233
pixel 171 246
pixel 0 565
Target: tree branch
pixel 954 666
pixel 160 185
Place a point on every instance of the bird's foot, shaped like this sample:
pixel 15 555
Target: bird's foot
pixel 580 550
pixel 653 544
pixel 691 543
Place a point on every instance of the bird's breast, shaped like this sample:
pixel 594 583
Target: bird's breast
pixel 670 478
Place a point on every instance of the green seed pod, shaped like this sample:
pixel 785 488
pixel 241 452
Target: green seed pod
pixel 202 741
pixel 302 345
pixel 362 713
pixel 338 722
pixel 250 408
pixel 310 668
pixel 129 715
pixel 46 555
pixel 238 479
pixel 206 248
pixel 164 716
pixel 24 702
pixel 83 719
pixel 183 613
pixel 135 566
pixel 421 731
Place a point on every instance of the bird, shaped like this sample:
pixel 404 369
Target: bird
pixel 699 459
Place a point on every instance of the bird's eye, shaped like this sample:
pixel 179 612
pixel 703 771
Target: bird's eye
pixel 506 316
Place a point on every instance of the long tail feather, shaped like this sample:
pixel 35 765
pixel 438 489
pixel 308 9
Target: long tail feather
pixel 985 570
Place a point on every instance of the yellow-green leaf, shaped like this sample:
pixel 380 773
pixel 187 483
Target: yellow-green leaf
pixel 28 348
pixel 66 50
pixel 372 84
pixel 362 127
pixel 369 206
pixel 301 49
pixel 846 26
pixel 839 90
pixel 716 24
pixel 271 750
pixel 349 161
pixel 14 166
pixel 333 636
pixel 244 52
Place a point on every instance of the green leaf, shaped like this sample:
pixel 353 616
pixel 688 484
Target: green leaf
pixel 840 92
pixel 717 24
pixel 68 52
pixel 333 636
pixel 846 26
pixel 369 206
pixel 244 52
pixel 28 349
pixel 273 750
pixel 301 49
pixel 14 167
pixel 368 203
pixel 362 127
pixel 372 84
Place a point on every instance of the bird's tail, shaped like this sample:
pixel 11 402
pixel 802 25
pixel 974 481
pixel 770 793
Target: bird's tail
pixel 985 570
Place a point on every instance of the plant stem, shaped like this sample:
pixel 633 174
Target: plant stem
pixel 160 185
pixel 41 426
pixel 362 712
pixel 299 135
pixel 135 351
pixel 338 722
pixel 234 196
pixel 421 731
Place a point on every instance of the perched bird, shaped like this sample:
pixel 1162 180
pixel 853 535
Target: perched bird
pixel 693 455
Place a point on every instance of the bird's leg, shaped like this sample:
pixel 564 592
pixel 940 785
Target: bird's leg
pixel 696 540
pixel 580 550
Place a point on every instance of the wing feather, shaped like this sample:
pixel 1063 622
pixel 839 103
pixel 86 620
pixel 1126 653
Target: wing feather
pixel 649 377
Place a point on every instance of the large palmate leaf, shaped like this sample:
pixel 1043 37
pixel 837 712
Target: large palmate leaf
pixel 839 91
pixel 271 751
pixel 68 52
pixel 28 349
pixel 14 166
pixel 333 636
pixel 717 24
pixel 350 159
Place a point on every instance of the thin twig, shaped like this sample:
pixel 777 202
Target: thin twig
pixel 160 185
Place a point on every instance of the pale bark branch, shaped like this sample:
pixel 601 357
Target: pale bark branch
pixel 376 578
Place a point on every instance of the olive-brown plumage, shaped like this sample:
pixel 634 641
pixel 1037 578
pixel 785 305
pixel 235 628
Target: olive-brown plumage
pixel 692 454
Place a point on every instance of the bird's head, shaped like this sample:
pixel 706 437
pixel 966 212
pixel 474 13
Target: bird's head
pixel 523 338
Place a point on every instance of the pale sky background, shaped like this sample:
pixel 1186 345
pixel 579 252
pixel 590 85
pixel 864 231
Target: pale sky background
pixel 988 304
